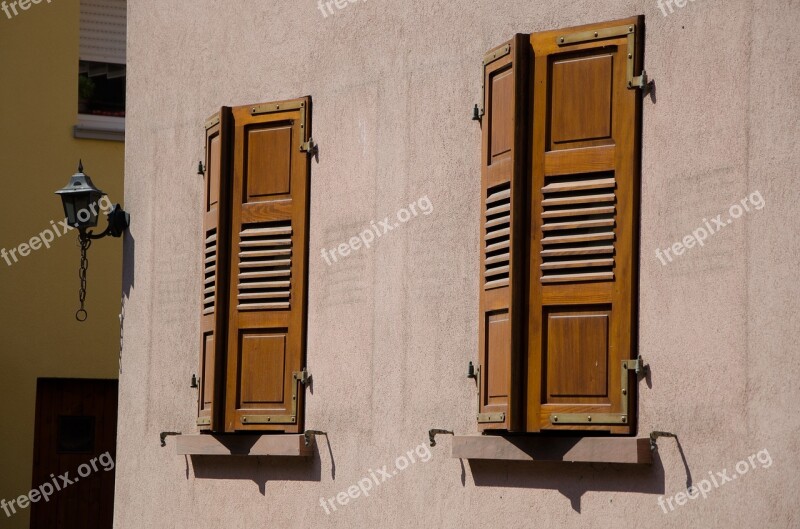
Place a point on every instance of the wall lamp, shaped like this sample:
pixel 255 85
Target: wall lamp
pixel 82 203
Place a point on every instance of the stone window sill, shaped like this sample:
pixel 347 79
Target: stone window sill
pixel 291 445
pixel 626 450
pixel 92 127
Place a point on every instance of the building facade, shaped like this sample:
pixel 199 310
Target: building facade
pixel 391 321
pixel 42 138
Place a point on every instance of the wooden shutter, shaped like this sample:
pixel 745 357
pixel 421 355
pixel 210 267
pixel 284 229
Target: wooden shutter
pixel 584 255
pixel 215 264
pixel 269 240
pixel 503 235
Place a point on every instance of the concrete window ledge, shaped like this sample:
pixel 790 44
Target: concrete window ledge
pixel 243 445
pixel 568 449
pixel 92 127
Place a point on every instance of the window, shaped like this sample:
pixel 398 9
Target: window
pixel 559 256
pixel 101 70
pixel 255 236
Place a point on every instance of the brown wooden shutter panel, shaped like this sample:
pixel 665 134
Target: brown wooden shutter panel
pixel 584 253
pixel 503 236
pixel 215 265
pixel 268 263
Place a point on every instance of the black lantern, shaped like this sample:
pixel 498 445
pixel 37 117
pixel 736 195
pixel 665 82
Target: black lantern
pixel 80 198
pixel 82 205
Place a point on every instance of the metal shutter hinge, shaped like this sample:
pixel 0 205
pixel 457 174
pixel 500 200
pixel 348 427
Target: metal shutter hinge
pixel 637 366
pixel 301 377
pixel 640 81
pixel 309 147
pixel 479 110
pixel 491 417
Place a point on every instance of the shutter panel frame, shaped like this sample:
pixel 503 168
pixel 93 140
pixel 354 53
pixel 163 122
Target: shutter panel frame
pixel 504 219
pixel 213 303
pixel 265 379
pixel 583 308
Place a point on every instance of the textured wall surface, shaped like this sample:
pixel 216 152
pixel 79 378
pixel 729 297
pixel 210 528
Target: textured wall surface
pixel 39 336
pixel 391 328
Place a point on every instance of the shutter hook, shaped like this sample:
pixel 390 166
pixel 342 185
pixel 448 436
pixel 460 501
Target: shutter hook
pixel 432 434
pixel 471 371
pixel 312 433
pixel 164 436
pixel 654 438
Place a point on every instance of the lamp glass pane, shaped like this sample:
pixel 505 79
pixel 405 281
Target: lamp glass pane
pixel 69 209
pixel 82 212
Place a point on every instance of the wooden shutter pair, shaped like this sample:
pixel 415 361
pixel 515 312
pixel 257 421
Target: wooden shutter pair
pixel 560 184
pixel 255 268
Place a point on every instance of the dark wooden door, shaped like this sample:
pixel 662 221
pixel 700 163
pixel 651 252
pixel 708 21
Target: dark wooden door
pixel 74 452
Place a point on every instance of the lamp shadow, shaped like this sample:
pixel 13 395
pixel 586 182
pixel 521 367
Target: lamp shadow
pixel 128 261
pixel 128 280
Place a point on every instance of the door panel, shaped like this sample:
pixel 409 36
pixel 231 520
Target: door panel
pixel 76 425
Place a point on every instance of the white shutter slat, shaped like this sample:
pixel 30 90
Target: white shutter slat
pixel 103 31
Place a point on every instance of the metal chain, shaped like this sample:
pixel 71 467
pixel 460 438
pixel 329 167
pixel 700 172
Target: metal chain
pixel 85 243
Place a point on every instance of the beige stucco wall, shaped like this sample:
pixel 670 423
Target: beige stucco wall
pixel 39 336
pixel 391 329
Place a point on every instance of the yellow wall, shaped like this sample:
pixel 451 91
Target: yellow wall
pixel 39 336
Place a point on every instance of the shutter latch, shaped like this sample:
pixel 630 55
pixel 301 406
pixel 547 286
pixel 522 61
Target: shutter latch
pixel 309 147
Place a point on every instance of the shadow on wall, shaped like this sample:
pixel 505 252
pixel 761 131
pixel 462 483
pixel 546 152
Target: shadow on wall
pixel 128 263
pixel 128 260
pixel 262 469
pixel 572 480
pixel 259 469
